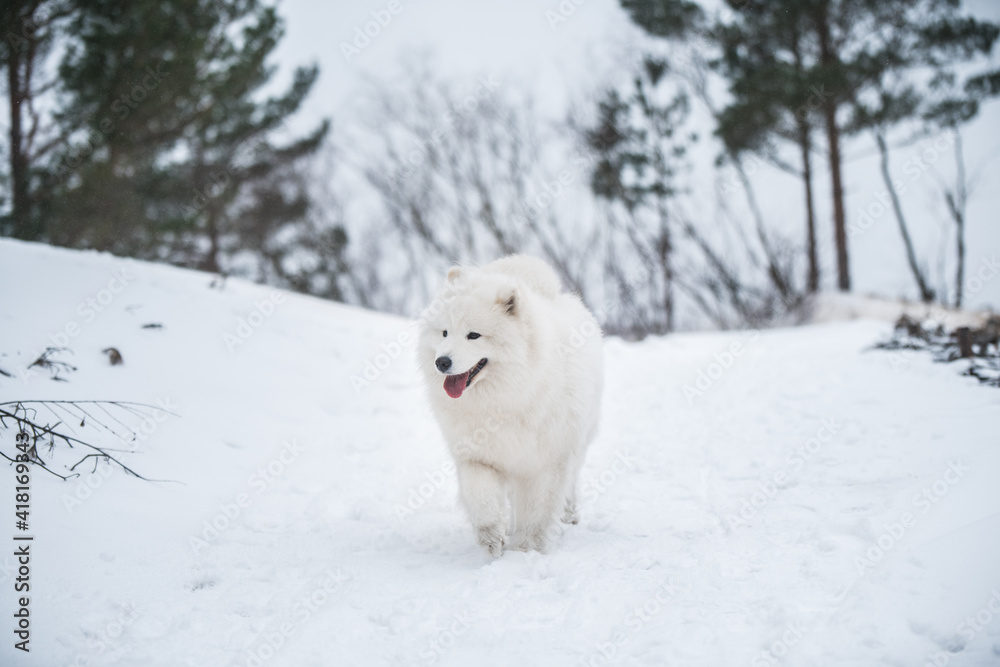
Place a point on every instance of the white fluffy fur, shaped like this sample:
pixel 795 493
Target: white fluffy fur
pixel 520 430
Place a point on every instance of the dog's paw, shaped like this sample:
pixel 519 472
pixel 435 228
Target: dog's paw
pixel 570 515
pixel 531 542
pixel 492 539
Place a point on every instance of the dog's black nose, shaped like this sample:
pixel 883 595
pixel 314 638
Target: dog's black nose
pixel 443 363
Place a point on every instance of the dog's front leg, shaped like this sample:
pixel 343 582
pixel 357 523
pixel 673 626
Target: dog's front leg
pixel 535 500
pixel 483 491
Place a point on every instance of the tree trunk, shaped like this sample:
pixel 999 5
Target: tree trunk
pixel 957 206
pixel 829 59
pixel 20 216
pixel 805 143
pixel 210 262
pixel 812 281
pixel 926 293
pixel 839 223
pixel 665 251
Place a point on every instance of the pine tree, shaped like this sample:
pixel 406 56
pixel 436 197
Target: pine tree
pixel 640 150
pixel 853 57
pixel 772 98
pixel 686 21
pixel 173 154
pixel 30 30
pixel 923 35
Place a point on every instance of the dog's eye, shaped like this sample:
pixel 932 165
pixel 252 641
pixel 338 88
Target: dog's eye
pixel 472 335
pixel 444 334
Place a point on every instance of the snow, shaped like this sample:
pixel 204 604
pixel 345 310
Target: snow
pixel 815 503
pixel 837 307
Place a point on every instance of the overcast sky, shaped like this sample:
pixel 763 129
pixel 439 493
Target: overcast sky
pixel 516 42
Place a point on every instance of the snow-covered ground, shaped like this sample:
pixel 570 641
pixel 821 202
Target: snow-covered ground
pixel 839 307
pixel 792 500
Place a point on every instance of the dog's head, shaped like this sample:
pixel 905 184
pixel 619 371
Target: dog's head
pixel 472 331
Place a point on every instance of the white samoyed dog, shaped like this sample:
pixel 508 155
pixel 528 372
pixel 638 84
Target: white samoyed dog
pixel 514 371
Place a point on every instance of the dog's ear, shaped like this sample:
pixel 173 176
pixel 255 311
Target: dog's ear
pixel 508 298
pixel 455 274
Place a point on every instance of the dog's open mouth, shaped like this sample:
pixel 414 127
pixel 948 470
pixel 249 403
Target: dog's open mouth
pixel 456 384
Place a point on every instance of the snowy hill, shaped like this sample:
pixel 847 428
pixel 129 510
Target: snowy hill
pixel 781 498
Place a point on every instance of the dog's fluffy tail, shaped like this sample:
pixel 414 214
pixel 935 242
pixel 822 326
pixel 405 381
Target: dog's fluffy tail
pixel 531 272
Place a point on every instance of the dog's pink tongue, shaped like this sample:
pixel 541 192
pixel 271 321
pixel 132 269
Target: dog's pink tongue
pixel 455 384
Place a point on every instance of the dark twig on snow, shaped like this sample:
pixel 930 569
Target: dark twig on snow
pixel 46 361
pixel 24 416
